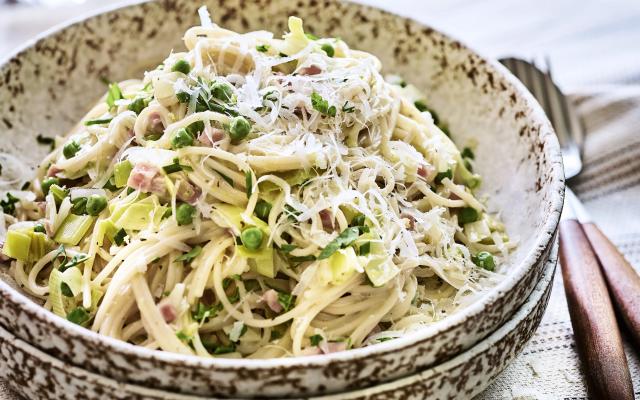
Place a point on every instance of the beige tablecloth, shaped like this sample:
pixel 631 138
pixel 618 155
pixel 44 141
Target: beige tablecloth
pixel 548 368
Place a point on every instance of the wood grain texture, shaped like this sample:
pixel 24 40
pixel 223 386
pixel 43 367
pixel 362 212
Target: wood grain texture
pixel 622 280
pixel 592 317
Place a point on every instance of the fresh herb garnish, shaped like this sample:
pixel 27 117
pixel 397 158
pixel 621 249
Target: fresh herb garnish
pixel 226 178
pixel 176 167
pixel 114 93
pixel 248 179
pixel 383 339
pixel 321 105
pixel 311 36
pixel 118 238
pixel 183 336
pixel 9 205
pixel 316 340
pixel 263 48
pixel 203 312
pixel 420 106
pixel 190 255
pixel 286 300
pixel 79 206
pixel 344 239
pixel 301 259
pixel 346 108
pixel 446 174
pixel 225 349
pixel 97 121
pixel 78 315
pixel 364 249
pixel 288 248
pixel 66 290
pixel 75 260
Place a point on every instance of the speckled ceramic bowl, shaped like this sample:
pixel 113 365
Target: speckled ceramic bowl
pixel 48 85
pixel 36 374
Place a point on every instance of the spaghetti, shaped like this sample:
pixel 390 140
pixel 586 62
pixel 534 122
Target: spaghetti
pixel 255 197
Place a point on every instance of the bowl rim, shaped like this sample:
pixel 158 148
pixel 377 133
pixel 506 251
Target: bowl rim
pixel 556 188
pixel 524 311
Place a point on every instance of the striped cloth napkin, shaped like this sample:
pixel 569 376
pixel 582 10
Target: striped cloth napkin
pixel 609 186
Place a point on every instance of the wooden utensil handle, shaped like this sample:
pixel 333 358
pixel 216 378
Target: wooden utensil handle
pixel 622 279
pixel 592 317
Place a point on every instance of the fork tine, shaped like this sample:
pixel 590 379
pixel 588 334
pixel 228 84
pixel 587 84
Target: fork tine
pixel 558 109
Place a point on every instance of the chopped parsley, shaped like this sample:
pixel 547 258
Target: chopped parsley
pixel 344 239
pixel 114 93
pixel 263 48
pixel 118 238
pixel 9 205
pixel 176 167
pixel 193 253
pixel 97 121
pixel 286 300
pixel 316 340
pixel 321 105
pixel 248 178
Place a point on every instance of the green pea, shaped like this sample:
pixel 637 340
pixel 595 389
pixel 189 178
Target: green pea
pixel 327 48
pixel 263 208
pixel 46 184
pixel 358 220
pixel 251 238
pixel 484 260
pixel 181 66
pixel 467 215
pixel 239 128
pixel 222 91
pixel 95 204
pixel 70 149
pixel 182 138
pixel 184 214
pixel 39 228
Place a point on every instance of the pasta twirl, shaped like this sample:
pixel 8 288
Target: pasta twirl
pixel 256 197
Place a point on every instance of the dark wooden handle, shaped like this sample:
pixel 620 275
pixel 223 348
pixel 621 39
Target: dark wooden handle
pixel 622 279
pixel 592 317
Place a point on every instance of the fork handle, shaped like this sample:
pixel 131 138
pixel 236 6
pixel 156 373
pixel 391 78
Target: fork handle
pixel 594 322
pixel 622 279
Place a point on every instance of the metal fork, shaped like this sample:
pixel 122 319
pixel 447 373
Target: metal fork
pixel 590 262
pixel 557 107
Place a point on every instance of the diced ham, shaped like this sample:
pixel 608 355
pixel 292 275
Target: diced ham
pixel 188 192
pixel 53 171
pixel 411 221
pixel 271 298
pixel 168 312
pixel 42 206
pixel 310 70
pixel 332 347
pixel 327 220
pixel 155 123
pixel 210 136
pixel 147 178
pixel 426 171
